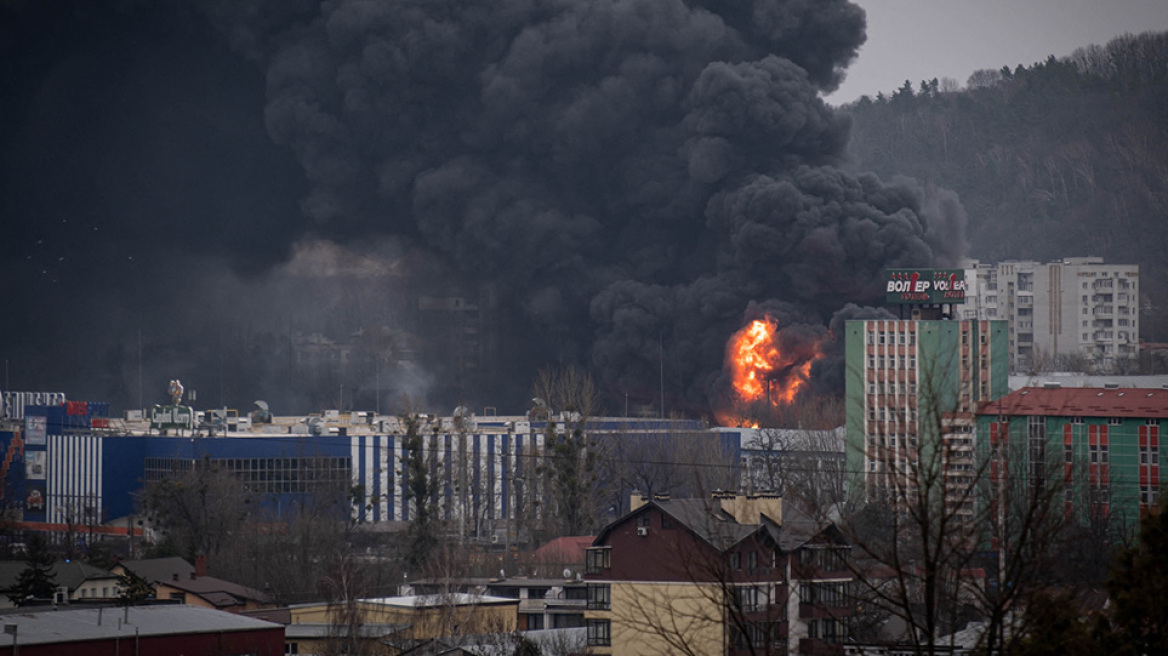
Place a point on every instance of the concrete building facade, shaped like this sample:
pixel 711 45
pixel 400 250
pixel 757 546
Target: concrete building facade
pixel 71 470
pixel 1102 445
pixel 1077 306
pixel 913 386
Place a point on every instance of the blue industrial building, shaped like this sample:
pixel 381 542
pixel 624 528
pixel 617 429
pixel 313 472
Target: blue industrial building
pixel 69 464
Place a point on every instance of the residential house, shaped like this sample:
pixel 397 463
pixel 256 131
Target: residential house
pixel 733 574
pixel 176 579
pixel 76 581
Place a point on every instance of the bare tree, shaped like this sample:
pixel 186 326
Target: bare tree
pixel 199 509
pixel 936 506
pixel 566 400
pixel 343 587
pixel 722 581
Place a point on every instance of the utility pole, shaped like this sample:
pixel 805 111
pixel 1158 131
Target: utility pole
pixel 661 359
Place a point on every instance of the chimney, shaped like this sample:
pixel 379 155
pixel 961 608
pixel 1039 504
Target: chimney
pixel 748 508
pixel 636 500
pixel 200 566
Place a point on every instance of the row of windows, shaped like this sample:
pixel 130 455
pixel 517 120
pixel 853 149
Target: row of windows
pixel 892 388
pixel 829 559
pixel 827 630
pixel 264 475
pixel 891 414
pixel 877 362
pixel 828 595
pixel 757 635
pixel 893 337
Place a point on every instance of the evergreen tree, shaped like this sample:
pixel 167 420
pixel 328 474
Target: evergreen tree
pixel 36 580
pixel 422 531
pixel 135 589
pixel 1139 587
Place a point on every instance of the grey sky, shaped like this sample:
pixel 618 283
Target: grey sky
pixel 922 39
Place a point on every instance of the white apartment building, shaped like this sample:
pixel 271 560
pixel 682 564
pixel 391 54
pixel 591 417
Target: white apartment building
pixel 1074 306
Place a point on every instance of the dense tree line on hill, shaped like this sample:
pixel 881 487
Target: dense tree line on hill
pixel 1066 157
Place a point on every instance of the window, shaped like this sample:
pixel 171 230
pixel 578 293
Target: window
pixel 1114 421
pixel 1078 421
pixel 291 648
pixel 735 560
pixel 748 599
pixel 599 596
pixel 643 519
pixel 599 633
pixel 597 559
pixel 830 633
pixel 752 560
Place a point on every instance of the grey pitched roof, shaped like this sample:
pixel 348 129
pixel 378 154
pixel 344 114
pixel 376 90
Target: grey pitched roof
pixel 72 625
pixel 796 530
pixel 153 570
pixel 73 573
pixel 66 574
pixel 218 592
pixel 707 519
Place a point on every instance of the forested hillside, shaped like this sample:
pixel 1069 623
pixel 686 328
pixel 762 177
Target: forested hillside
pixel 1062 158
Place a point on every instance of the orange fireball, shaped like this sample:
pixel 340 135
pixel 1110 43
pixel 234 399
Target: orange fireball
pixel 752 353
pixel 760 369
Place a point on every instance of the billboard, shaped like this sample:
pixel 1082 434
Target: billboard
pixel 925 286
pixel 36 429
pixel 163 417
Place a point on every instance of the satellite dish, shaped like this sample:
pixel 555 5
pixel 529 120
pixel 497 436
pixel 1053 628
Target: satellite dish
pixel 502 573
pixel 262 405
pixel 567 573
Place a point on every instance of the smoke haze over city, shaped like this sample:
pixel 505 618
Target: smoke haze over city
pixel 189 190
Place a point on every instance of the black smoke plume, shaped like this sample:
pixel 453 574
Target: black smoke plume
pixel 626 178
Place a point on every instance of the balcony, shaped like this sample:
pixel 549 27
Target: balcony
pixel 813 647
pixel 1105 283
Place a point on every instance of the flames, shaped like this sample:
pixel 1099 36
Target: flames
pixel 763 367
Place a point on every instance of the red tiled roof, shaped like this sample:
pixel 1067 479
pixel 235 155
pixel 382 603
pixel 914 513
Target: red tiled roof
pixel 1082 402
pixel 564 550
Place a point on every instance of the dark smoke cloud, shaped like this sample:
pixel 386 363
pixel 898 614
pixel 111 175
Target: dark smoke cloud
pixel 633 178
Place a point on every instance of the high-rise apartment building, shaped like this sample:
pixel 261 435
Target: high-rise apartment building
pixel 913 389
pixel 1075 307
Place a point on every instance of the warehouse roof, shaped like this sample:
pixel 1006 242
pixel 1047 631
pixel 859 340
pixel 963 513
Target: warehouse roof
pixel 52 626
pixel 1129 402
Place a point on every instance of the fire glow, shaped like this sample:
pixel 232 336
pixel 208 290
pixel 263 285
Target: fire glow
pixel 760 369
